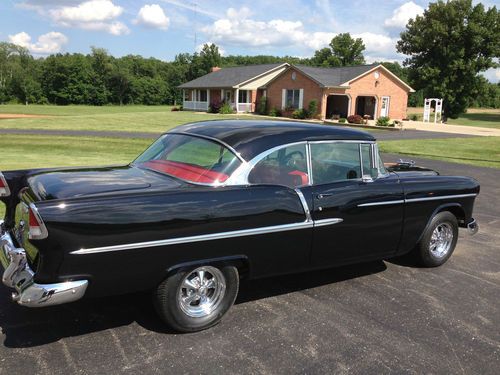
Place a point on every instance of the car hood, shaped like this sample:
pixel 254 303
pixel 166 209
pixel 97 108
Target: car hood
pixel 69 183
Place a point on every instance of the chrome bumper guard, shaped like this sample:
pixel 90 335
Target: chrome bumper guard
pixel 473 227
pixel 18 275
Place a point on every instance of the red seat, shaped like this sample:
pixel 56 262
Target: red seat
pixel 187 172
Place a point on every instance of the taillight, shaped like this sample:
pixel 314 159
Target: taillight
pixel 4 188
pixel 37 229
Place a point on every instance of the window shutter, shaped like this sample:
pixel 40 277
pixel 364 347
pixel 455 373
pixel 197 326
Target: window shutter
pixel 283 99
pixel 301 98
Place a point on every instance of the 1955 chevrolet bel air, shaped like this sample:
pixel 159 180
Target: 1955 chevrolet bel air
pixel 212 202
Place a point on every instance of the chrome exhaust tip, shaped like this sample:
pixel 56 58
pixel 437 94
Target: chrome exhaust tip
pixel 473 227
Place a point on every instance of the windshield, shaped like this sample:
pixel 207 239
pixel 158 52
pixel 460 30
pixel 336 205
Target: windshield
pixel 190 158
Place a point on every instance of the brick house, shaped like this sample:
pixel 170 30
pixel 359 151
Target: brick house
pixel 367 90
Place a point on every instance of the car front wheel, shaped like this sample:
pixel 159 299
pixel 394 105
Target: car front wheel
pixel 197 298
pixel 438 241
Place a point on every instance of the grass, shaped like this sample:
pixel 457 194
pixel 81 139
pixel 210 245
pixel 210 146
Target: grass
pixel 478 117
pixel 479 151
pixel 148 119
pixel 39 151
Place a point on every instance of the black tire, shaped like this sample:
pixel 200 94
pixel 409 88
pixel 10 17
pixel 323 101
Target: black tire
pixel 447 222
pixel 171 309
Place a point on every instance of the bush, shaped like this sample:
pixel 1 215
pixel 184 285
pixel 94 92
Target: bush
pixel 226 109
pixel 300 114
pixel 342 120
pixel 313 108
pixel 262 106
pixel 275 112
pixel 355 119
pixel 414 117
pixel 175 109
pixel 383 121
pixel 215 106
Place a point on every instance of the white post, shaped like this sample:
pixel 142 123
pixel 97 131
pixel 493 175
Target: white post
pixel 183 98
pixel 237 95
pixel 208 99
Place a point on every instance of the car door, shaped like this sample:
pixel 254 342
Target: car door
pixel 357 208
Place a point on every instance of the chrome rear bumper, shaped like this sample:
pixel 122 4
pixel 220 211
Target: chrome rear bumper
pixel 19 276
pixel 473 227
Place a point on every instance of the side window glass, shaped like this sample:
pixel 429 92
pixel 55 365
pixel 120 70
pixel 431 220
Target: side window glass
pixel 333 162
pixel 366 154
pixel 286 166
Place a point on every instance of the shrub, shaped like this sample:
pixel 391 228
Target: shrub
pixel 226 109
pixel 175 109
pixel 215 106
pixel 383 121
pixel 275 112
pixel 414 117
pixel 313 108
pixel 355 119
pixel 342 120
pixel 300 114
pixel 262 106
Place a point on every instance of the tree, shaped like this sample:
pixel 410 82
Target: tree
pixel 343 51
pixel 448 46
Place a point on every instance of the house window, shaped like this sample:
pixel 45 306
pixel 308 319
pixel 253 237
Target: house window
pixel 187 95
pixel 202 95
pixel 243 96
pixel 292 98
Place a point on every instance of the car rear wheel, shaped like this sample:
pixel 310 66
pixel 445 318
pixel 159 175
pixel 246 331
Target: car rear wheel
pixel 439 240
pixel 197 298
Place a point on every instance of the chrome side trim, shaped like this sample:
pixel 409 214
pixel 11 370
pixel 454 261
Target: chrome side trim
pixel 304 205
pixel 324 222
pixel 411 200
pixel 198 238
pixel 399 201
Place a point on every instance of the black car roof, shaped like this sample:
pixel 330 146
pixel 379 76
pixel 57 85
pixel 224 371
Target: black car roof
pixel 251 137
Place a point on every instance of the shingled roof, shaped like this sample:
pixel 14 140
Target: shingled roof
pixel 230 77
pixel 332 77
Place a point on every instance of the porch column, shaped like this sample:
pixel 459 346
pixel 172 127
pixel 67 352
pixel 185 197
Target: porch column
pixel 236 98
pixel 183 98
pixel 208 99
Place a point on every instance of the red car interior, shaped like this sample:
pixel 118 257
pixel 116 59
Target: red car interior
pixel 187 172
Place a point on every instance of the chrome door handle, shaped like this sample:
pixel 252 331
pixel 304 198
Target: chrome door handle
pixel 321 196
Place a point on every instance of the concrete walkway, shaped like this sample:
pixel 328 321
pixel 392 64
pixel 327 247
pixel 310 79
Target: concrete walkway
pixel 453 129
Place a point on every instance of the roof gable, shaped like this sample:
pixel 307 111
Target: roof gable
pixel 231 77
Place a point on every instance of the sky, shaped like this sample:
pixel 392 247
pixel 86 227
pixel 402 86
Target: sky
pixel 165 28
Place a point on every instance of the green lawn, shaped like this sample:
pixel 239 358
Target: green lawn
pixel 480 151
pixel 151 119
pixel 483 118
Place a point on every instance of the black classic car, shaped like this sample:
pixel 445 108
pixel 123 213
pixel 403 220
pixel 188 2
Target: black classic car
pixel 210 203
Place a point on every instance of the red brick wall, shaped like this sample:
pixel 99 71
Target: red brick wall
pixel 387 86
pixel 284 81
pixel 364 86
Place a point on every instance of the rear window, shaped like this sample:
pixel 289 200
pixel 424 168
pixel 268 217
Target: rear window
pixel 190 158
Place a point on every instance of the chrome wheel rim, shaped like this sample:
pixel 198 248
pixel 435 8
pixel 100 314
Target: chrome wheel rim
pixel 441 240
pixel 202 291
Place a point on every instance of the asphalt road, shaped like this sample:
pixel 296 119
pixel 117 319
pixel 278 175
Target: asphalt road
pixel 380 134
pixel 380 317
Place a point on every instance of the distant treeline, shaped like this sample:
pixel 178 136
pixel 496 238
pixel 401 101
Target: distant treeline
pixel 99 78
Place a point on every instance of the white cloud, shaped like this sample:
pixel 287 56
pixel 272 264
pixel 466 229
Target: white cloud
pixel 240 30
pixel 492 75
pixel 402 15
pixel 47 43
pixel 97 15
pixel 152 16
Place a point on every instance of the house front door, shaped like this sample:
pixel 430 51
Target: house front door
pixel 384 108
